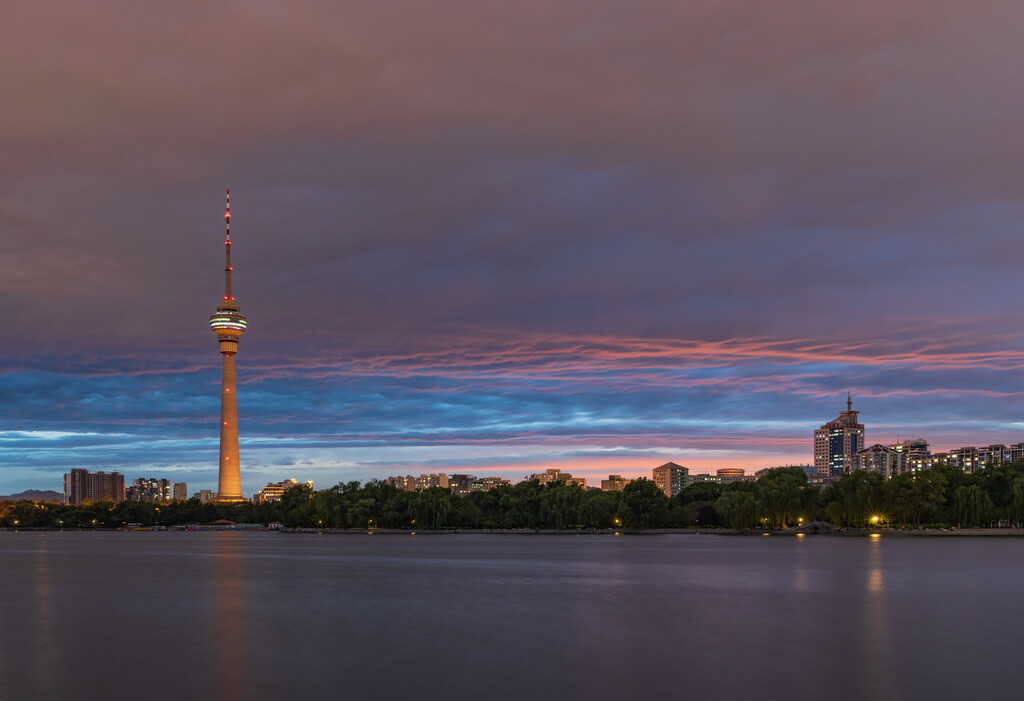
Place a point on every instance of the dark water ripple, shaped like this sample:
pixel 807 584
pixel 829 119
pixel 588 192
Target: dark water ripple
pixel 268 616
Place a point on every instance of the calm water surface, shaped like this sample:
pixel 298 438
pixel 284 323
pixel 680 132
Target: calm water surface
pixel 274 616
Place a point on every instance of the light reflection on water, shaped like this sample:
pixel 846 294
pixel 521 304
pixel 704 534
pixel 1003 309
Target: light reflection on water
pixel 243 616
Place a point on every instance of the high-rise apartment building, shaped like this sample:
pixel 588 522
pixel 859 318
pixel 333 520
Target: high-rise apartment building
pixel 885 460
pixel 918 457
pixel 180 491
pixel 149 489
pixel 84 487
pixel 837 442
pixel 670 478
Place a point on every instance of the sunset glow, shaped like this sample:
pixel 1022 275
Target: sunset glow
pixel 481 242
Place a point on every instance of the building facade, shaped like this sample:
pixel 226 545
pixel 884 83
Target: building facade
pixel 414 484
pixel 881 459
pixel 701 478
pixel 614 483
pixel 149 489
pixel 728 475
pixel 670 478
pixel 275 490
pixel 180 491
pixel 84 487
pixel 485 484
pixel 836 443
pixel 553 474
pixel 918 457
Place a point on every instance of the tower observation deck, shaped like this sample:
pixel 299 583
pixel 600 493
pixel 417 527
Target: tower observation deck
pixel 229 325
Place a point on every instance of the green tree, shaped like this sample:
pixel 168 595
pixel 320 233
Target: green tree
pixel 641 502
pixel 780 494
pixel 561 504
pixel 329 508
pixel 737 508
pixel 970 505
pixel 701 492
pixel 364 513
pixel 855 498
pixel 1017 504
pixel 917 494
pixel 432 507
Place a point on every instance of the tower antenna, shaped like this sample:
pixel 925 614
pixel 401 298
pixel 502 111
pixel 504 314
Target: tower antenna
pixel 227 245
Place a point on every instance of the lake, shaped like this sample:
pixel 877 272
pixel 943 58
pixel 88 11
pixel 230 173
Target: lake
pixel 232 615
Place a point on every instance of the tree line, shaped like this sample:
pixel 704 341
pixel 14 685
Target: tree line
pixel 941 496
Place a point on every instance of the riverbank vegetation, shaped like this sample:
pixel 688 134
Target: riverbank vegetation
pixel 943 496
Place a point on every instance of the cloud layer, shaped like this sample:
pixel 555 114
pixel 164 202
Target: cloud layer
pixel 487 237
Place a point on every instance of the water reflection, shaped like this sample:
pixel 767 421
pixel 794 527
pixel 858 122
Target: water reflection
pixel 801 571
pixel 878 637
pixel 44 642
pixel 230 674
pixel 240 616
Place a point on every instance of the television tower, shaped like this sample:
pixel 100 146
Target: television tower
pixel 229 325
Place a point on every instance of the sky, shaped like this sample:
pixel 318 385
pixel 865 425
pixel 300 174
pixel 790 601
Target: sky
pixel 494 237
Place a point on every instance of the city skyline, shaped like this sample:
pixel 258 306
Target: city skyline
pixel 508 239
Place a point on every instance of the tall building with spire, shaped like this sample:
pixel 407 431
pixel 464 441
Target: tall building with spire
pixel 837 442
pixel 229 325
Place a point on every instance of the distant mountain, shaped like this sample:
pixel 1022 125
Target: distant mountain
pixel 34 495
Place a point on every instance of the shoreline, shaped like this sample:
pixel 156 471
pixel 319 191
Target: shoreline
pixel 790 533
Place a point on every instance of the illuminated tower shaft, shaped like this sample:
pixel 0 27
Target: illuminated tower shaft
pixel 229 325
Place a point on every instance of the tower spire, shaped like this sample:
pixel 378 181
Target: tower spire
pixel 227 245
pixel 849 401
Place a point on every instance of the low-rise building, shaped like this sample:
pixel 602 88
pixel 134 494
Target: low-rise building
pixel 461 485
pixel 553 474
pixel 701 478
pixel 614 483
pixel 275 490
pixel 415 484
pixel 485 484
pixel 727 475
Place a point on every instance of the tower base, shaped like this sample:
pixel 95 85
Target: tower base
pixel 230 500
